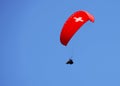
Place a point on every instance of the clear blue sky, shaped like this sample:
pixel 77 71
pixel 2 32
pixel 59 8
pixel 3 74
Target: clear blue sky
pixel 32 55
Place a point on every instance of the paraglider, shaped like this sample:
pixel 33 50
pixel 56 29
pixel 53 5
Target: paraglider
pixel 70 61
pixel 73 24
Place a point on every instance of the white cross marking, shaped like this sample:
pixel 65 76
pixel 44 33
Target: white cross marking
pixel 78 19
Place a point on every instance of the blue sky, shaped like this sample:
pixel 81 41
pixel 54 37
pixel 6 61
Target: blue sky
pixel 32 55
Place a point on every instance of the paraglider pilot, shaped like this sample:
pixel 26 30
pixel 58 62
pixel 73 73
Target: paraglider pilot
pixel 70 61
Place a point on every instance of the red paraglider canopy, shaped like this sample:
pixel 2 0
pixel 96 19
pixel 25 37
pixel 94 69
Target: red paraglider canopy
pixel 73 23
